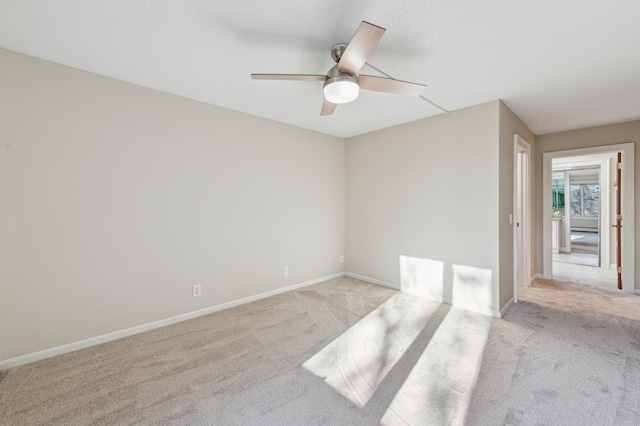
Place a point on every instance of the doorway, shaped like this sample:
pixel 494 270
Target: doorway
pixel 581 204
pixel 585 172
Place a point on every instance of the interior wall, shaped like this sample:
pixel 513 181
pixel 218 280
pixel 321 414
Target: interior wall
pixel 585 138
pixel 426 190
pixel 116 199
pixel 511 125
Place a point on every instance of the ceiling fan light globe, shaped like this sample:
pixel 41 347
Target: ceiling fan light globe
pixel 341 91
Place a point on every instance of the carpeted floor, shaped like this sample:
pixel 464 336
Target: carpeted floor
pixel 348 352
pixel 568 354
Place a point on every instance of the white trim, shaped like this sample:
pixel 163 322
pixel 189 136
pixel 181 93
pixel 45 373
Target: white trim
pixel 505 308
pixel 637 290
pixel 372 280
pixel 514 215
pixel 547 206
pixel 535 277
pixel 567 217
pixel 628 207
pixel 613 266
pixel 92 341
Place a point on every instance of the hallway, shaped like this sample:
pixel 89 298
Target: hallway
pixel 606 279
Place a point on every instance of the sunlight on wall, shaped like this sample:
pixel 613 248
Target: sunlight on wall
pixel 422 277
pixel 472 289
pixel 439 388
pixel 357 362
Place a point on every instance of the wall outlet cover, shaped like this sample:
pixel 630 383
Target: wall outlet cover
pixel 196 290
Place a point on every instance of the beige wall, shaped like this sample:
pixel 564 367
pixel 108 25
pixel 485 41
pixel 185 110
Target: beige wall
pixel 427 190
pixel 584 138
pixel 116 199
pixel 511 125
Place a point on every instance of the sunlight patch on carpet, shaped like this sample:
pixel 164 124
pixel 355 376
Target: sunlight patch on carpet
pixel 357 361
pixel 439 388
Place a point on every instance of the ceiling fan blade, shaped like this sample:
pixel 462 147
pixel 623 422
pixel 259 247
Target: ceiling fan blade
pixel 327 108
pixel 298 77
pixel 362 43
pixel 389 85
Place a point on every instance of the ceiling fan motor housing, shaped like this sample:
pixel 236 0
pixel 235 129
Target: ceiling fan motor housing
pixel 340 87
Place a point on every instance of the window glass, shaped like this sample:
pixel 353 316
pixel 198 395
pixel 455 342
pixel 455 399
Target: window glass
pixel 585 200
pixel 576 200
pixel 590 200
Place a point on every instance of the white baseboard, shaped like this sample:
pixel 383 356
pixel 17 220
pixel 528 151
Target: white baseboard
pixel 637 290
pixel 372 280
pixel 92 341
pixel 506 308
pixel 535 277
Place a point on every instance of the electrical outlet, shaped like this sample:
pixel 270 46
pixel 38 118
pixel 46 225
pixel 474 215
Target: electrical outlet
pixel 341 259
pixel 285 271
pixel 196 290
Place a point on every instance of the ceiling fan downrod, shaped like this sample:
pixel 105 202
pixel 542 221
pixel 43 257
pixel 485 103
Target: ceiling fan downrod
pixel 337 50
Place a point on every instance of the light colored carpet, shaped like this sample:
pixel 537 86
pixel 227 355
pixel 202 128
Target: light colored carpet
pixel 348 352
pixel 568 354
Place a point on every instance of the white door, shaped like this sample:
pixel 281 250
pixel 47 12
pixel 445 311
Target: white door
pixel 521 209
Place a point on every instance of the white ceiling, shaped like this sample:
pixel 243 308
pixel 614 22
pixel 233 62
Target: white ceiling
pixel 559 65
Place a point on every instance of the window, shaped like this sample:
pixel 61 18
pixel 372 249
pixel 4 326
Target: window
pixel 585 200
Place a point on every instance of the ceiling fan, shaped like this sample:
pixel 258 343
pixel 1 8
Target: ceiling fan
pixel 343 83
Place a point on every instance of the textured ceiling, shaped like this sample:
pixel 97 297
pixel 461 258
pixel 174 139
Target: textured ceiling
pixel 559 65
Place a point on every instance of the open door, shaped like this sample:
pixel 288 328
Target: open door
pixel 521 214
pixel 618 224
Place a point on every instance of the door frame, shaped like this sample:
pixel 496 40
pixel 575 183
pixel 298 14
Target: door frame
pixel 628 207
pixel 521 192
